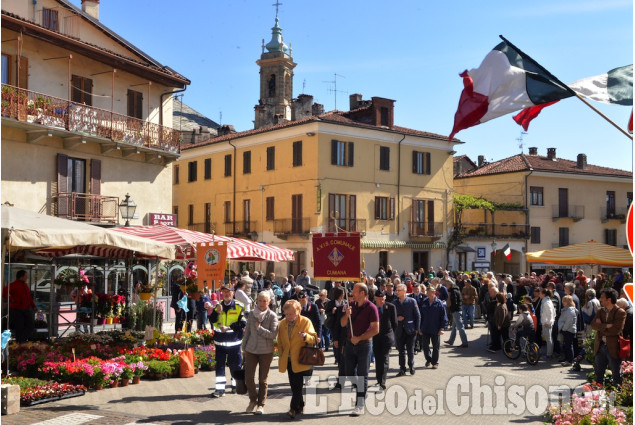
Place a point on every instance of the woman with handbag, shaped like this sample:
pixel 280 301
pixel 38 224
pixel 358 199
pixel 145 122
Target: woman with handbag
pixel 295 331
pixel 261 330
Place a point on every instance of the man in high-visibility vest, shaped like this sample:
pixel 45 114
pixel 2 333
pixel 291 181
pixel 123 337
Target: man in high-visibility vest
pixel 229 322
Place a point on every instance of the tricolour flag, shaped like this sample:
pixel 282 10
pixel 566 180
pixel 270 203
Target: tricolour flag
pixel 614 87
pixel 507 251
pixel 506 81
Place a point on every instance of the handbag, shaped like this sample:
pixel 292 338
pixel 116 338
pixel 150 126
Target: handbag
pixel 239 377
pixel 625 348
pixel 311 355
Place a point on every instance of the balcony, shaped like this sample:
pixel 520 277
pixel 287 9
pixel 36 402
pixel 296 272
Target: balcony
pixel 202 227
pixel 347 225
pixel 285 227
pixel 112 130
pixel 426 229
pixel 496 230
pixel 607 214
pixel 575 212
pixel 86 207
pixel 241 229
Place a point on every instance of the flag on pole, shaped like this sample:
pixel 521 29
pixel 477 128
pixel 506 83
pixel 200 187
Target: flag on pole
pixel 506 81
pixel 613 87
pixel 507 251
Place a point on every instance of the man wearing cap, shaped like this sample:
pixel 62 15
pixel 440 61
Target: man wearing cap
pixel 390 292
pixel 229 322
pixel 311 312
pixel 433 321
pixel 409 321
pixel 362 322
pixel 385 339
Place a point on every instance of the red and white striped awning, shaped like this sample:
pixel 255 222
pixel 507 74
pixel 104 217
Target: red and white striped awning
pixel 186 240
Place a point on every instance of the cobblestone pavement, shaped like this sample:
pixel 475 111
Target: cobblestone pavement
pixel 518 393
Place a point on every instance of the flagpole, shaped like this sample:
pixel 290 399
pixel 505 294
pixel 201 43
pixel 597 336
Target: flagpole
pixel 566 87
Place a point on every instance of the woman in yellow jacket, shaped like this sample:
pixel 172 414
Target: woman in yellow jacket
pixel 294 332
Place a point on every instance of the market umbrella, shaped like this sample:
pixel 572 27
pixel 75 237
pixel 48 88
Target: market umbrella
pixel 186 240
pixel 591 252
pixel 55 237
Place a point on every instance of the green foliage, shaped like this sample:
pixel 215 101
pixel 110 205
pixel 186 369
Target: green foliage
pixel 466 202
pixel 160 367
pixel 589 347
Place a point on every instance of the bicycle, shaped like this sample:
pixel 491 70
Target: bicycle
pixel 530 350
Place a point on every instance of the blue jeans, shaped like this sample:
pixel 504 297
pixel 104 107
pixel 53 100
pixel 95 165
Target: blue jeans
pixel 325 343
pixel 604 359
pixel 201 319
pixel 468 314
pixel 357 359
pixel 457 324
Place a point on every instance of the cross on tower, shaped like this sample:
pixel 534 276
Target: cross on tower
pixel 276 4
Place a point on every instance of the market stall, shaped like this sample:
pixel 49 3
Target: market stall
pixel 591 252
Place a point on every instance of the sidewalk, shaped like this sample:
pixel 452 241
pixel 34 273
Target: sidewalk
pixel 187 401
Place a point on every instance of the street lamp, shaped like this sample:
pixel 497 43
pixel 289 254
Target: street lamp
pixel 127 208
pixel 494 256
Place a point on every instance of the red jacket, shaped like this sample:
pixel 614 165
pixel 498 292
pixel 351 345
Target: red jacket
pixel 19 295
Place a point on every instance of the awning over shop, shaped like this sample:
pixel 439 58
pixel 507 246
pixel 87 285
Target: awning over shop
pixel 591 252
pixel 55 237
pixel 186 240
pixel 464 248
pixel 375 244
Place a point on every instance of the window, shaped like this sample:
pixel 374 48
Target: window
pixel 423 217
pixel 227 208
pixel 270 209
pixel 629 199
pixel 176 174
pixel 563 236
pixel 535 192
pixel 535 235
pixel 135 104
pixel 228 165
pixel 271 158
pixel 383 259
pixel 610 203
pixel 297 153
pixel 384 158
pixel 208 217
pixel 6 68
pixel 247 162
pixel 50 19
pixel 191 171
pixel 246 216
pixel 420 162
pixel 342 212
pixel 190 214
pixel 384 208
pixel 74 171
pixel 342 153
pixel 296 214
pixel 82 90
pixel 208 168
pixel 610 237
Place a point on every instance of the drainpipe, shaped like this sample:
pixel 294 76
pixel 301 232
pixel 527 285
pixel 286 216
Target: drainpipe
pixel 234 201
pixel 399 183
pixel 161 99
pixel 531 170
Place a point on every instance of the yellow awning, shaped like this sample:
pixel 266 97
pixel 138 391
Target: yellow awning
pixel 591 252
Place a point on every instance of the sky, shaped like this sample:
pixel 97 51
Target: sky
pixel 411 51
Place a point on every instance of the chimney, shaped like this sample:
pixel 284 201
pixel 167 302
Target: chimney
pixel 481 160
pixel 91 8
pixel 533 151
pixel 582 161
pixel 354 101
pixel 551 154
pixel 318 109
pixel 383 111
pixel 226 129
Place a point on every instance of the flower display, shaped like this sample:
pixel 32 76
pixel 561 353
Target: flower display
pixel 71 277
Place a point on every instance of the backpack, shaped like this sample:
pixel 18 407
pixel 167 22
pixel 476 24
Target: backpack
pixel 455 299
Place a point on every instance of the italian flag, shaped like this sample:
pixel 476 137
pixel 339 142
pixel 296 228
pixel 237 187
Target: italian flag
pixel 507 251
pixel 506 81
pixel 613 87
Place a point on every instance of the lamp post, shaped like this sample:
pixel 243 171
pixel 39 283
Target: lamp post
pixel 493 256
pixel 127 209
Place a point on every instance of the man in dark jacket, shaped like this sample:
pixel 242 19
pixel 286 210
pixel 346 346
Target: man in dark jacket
pixel 385 339
pixel 433 321
pixel 334 310
pixel 409 321
pixel 311 312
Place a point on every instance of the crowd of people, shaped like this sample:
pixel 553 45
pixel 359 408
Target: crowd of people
pixel 362 322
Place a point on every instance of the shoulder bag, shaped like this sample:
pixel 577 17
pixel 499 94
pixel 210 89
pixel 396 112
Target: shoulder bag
pixel 311 355
pixel 625 348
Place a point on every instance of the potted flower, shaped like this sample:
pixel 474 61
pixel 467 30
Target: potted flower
pixel 127 375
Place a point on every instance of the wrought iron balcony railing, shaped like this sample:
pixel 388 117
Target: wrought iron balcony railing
pixel 347 225
pixel 426 229
pixel 498 230
pixel 607 214
pixel 86 207
pixel 291 226
pixel 49 111
pixel 576 212
pixel 202 227
pixel 240 228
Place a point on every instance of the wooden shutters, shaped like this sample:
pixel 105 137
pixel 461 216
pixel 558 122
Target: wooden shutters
pixel 296 214
pixel 63 207
pixel 431 217
pixel 22 68
pixel 135 104
pixel 270 208
pixel 563 202
pixel 81 90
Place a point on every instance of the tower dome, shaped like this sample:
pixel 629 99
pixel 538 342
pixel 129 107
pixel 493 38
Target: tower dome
pixel 276 44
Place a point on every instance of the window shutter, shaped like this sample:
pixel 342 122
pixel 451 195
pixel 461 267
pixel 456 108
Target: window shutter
pixel 377 208
pixel 414 161
pixel 139 106
pixel 62 184
pixel 413 213
pixel 76 94
pixel 352 213
pixel 95 177
pixel 131 104
pixel 23 73
pixel 88 91
pixel 334 152
pixel 427 163
pixel 351 154
pixel 431 217
pixel 298 154
pixel 392 208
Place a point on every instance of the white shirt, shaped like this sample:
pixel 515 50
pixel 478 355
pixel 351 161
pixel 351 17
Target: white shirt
pixel 244 299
